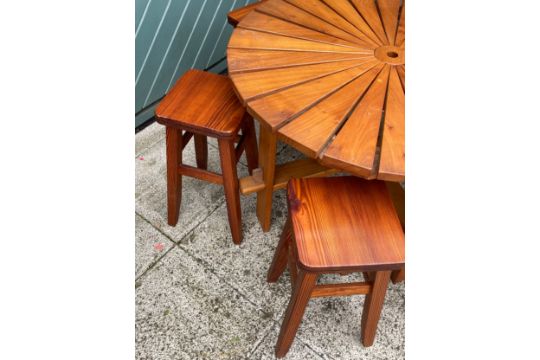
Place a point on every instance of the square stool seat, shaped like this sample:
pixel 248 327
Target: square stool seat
pixel 202 103
pixel 345 223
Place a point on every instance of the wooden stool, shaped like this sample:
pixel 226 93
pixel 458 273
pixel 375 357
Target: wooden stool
pixel 337 225
pixel 204 105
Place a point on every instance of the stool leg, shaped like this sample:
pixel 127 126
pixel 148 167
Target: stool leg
pixel 373 306
pixel 252 154
pixel 174 179
pixel 280 256
pixel 293 270
pixel 267 162
pixel 297 305
pixel 201 151
pixel 398 275
pixel 231 186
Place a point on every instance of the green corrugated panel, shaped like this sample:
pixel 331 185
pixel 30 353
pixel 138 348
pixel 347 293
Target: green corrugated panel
pixel 173 36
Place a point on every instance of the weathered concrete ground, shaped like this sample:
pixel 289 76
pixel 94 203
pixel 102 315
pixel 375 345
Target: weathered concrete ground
pixel 199 296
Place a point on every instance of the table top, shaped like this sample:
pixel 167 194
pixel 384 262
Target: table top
pixel 328 77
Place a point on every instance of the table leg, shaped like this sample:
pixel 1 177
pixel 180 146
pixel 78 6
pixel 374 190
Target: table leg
pixel 267 162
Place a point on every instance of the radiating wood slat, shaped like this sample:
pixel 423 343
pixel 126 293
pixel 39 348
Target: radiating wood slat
pixel 312 130
pixel 262 22
pixel 319 9
pixel 283 105
pixel 389 10
pixel 243 60
pixel 400 36
pixel 369 12
pixel 255 84
pixel 249 39
pixel 347 11
pixel 392 163
pixel 353 149
pixel 401 73
pixel 237 15
pixel 293 14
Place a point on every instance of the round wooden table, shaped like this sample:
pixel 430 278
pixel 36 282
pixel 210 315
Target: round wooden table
pixel 326 77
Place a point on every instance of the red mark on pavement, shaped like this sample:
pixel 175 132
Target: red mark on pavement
pixel 159 246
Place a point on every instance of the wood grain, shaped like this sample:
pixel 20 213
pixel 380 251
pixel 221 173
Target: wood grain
pixel 202 102
pixel 235 16
pixel 301 168
pixel 401 73
pixel 295 311
pixel 250 39
pixel 174 179
pixel 347 11
pixel 246 60
pixel 259 21
pixel 201 151
pixel 267 163
pixel 253 85
pixel 400 36
pixel 250 137
pixel 312 130
pixel 358 288
pixel 208 176
pixel 369 12
pixel 389 10
pixel 319 9
pixel 345 223
pixel 230 185
pixel 281 106
pixel 354 147
pixel 373 305
pixel 296 15
pixel 280 260
pixel 392 163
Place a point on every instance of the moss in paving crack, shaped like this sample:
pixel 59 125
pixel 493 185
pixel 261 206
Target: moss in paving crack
pixel 138 284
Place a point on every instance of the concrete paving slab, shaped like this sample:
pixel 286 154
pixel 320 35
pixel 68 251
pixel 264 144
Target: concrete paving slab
pixel 185 312
pixel 298 350
pixel 150 245
pixel 148 137
pixel 243 266
pixel 331 326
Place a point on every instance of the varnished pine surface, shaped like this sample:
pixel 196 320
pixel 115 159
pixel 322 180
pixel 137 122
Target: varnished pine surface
pixel 328 76
pixel 236 15
pixel 203 103
pixel 345 223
